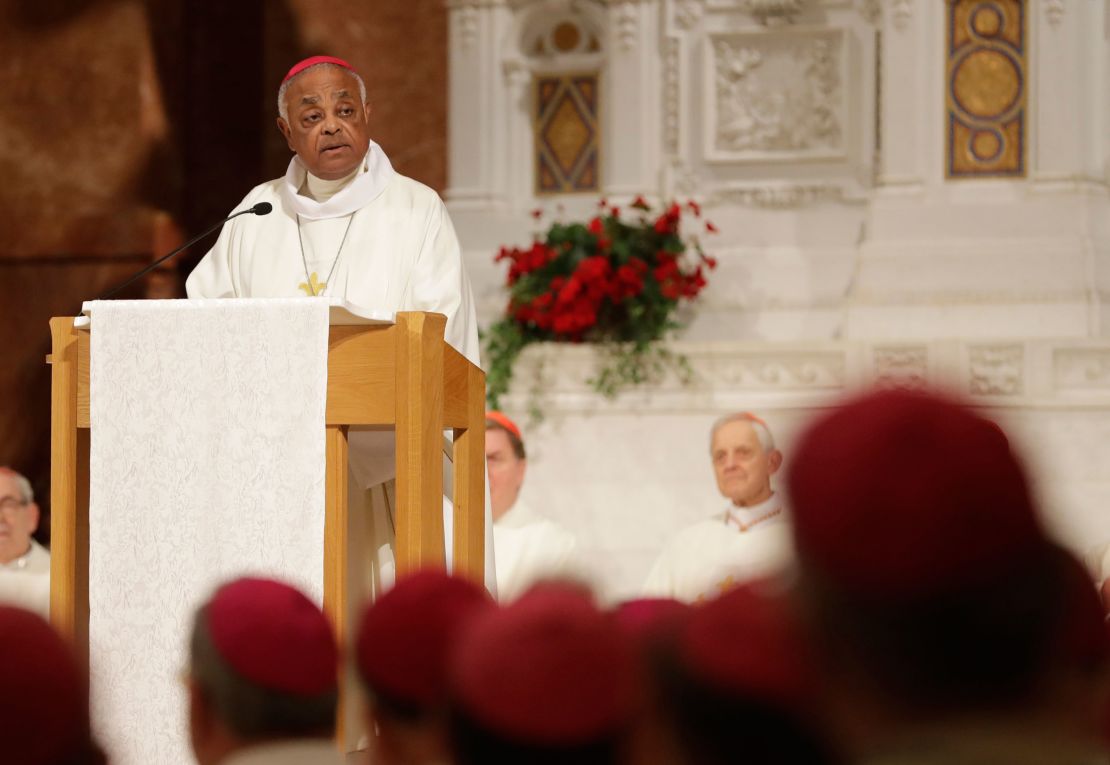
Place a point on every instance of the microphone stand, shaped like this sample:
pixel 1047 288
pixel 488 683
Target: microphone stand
pixel 262 208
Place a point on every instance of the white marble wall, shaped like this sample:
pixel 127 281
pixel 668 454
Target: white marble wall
pixel 625 475
pixel 811 131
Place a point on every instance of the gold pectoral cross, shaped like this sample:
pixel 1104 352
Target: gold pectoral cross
pixel 313 286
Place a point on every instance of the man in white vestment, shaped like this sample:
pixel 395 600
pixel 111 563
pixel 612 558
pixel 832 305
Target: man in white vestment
pixel 346 226
pixel 24 563
pixel 528 546
pixel 749 539
pixel 262 678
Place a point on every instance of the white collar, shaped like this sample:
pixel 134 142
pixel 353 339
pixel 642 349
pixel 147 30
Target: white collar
pixel 744 518
pixel 20 563
pixel 374 175
pixel 321 189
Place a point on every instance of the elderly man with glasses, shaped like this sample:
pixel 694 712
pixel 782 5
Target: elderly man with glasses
pixel 24 563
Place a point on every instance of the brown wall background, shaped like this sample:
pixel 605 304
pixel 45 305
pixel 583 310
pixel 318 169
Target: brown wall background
pixel 127 124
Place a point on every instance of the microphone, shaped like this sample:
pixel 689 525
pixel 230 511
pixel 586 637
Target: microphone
pixel 262 208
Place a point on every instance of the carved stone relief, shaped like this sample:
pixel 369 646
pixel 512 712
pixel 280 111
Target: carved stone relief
pixel 871 10
pixel 626 23
pixel 901 366
pixel 688 13
pixel 776 96
pixel 996 370
pixel 1081 369
pixel 671 50
pixel 777 371
pixel 468 27
pixel 901 12
pixel 779 196
pixel 774 11
pixel 683 180
pixel 1054 11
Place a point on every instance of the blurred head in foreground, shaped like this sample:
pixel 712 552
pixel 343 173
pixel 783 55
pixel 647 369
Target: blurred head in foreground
pixel 403 645
pixel 44 701
pixel 548 679
pixel 263 669
pixel 925 572
pixel 652 625
pixel 739 683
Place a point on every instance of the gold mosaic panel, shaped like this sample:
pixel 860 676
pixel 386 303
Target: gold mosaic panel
pixel 566 135
pixel 986 88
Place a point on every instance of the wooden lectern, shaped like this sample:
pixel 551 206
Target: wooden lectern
pixel 401 376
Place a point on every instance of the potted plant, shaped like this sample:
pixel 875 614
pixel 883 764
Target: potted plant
pixel 616 281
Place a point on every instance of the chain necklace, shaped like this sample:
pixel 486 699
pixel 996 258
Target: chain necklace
pixel 311 283
pixel 731 520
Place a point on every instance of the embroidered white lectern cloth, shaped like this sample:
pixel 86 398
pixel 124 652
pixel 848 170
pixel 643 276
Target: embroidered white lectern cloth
pixel 207 462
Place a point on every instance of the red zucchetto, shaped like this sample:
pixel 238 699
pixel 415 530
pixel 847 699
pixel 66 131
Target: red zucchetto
pixel 550 669
pixel 900 494
pixel 643 619
pixel 503 420
pixel 272 635
pixel 43 699
pixel 747 643
pixel 405 635
pixel 300 66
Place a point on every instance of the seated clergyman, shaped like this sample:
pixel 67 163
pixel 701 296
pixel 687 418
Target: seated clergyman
pixel 24 563
pixel 528 546
pixel 749 539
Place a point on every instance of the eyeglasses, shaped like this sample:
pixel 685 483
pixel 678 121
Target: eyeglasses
pixel 11 504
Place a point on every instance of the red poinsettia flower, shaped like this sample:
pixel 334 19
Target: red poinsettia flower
pixel 667 223
pixel 573 288
pixel 629 281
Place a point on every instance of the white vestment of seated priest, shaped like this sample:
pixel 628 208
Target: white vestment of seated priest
pixel 738 545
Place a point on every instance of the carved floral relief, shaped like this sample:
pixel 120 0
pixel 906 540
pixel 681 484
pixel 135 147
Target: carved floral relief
pixel 776 96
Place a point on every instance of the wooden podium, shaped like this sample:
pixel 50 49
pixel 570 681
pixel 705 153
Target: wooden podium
pixel 401 376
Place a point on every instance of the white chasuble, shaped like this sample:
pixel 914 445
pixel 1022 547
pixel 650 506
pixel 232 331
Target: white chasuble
pixel 376 240
pixel 400 252
pixel 531 548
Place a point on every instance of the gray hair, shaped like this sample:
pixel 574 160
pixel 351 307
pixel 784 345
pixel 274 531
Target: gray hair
pixel 248 710
pixel 762 432
pixel 283 110
pixel 26 493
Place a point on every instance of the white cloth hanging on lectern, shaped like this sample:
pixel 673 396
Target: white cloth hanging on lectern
pixel 207 462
